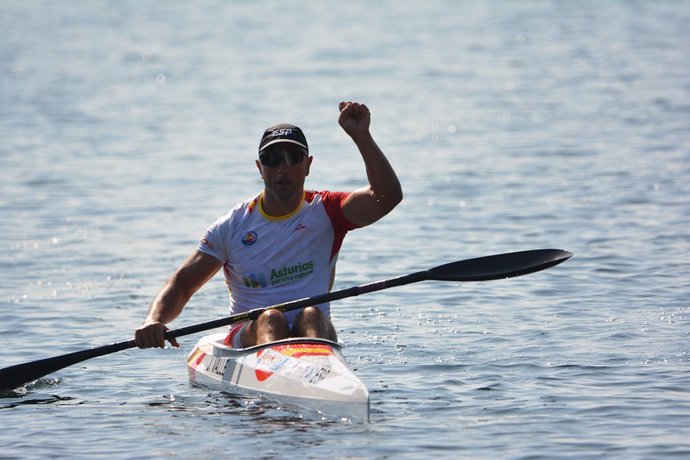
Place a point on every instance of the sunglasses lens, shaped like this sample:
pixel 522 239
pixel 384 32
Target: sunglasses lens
pixel 274 157
pixel 270 159
pixel 294 157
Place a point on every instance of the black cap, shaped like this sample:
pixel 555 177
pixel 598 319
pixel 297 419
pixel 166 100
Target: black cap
pixel 285 133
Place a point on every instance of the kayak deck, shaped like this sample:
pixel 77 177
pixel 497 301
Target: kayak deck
pixel 306 372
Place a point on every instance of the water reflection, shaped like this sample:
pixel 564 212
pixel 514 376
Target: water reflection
pixel 44 399
pixel 269 414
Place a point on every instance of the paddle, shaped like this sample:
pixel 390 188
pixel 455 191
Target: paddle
pixel 480 269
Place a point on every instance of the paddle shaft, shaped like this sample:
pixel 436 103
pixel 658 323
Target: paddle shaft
pixel 297 304
pixel 21 374
pixel 479 269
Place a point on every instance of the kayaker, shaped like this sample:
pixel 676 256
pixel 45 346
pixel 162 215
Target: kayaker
pixel 283 244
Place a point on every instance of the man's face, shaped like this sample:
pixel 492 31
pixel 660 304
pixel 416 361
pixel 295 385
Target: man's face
pixel 284 169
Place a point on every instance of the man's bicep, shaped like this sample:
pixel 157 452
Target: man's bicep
pixel 198 269
pixel 362 208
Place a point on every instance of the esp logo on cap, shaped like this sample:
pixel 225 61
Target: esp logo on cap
pixel 281 132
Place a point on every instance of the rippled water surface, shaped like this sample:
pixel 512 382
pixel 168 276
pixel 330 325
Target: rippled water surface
pixel 127 127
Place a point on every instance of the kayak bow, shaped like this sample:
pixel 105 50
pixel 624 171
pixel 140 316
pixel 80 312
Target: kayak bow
pixel 305 372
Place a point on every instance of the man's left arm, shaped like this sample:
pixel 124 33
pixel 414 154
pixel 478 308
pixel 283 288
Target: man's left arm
pixel 368 204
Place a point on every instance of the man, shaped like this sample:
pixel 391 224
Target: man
pixel 283 244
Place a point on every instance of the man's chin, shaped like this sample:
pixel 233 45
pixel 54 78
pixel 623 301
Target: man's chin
pixel 286 193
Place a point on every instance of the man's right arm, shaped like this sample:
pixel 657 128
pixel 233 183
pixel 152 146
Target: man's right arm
pixel 171 300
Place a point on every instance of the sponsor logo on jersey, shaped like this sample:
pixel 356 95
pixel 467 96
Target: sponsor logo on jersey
pixel 281 275
pixel 249 238
pixel 255 281
pixel 292 273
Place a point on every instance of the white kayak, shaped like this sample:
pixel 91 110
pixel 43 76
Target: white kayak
pixel 305 372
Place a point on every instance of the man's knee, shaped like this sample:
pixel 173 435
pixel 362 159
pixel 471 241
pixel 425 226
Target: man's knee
pixel 272 320
pixel 271 325
pixel 271 314
pixel 311 315
pixel 312 322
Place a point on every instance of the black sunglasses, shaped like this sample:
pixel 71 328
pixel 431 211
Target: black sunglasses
pixel 273 157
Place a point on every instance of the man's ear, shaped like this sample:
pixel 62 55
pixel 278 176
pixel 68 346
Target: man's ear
pixel 309 160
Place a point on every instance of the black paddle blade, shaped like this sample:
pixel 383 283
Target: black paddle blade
pixel 19 375
pixel 499 266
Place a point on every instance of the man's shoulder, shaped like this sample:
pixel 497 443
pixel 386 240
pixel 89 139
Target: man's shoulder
pixel 332 203
pixel 324 196
pixel 239 211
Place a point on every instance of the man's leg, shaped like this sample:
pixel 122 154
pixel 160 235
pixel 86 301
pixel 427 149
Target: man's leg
pixel 311 322
pixel 270 326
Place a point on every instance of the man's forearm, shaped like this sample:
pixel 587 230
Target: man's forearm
pixel 382 179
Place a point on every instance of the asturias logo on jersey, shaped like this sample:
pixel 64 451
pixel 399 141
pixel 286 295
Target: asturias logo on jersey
pixel 282 275
pixel 291 273
pixel 249 239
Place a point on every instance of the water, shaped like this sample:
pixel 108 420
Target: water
pixel 127 127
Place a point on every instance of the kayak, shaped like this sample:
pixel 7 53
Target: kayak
pixel 305 372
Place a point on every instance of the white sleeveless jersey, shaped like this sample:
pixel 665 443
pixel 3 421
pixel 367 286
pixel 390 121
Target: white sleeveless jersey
pixel 270 260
